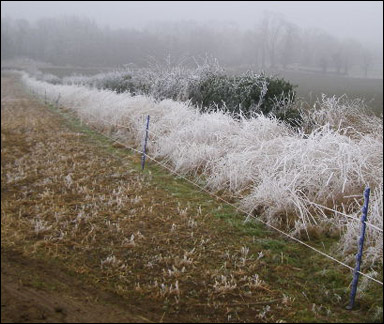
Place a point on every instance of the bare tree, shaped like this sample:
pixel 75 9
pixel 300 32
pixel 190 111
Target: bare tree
pixel 323 64
pixel 289 42
pixel 338 62
pixel 367 60
pixel 271 31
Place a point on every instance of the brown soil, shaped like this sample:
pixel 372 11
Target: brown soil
pixel 33 291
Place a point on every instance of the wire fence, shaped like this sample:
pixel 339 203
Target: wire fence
pixel 374 227
pixel 249 215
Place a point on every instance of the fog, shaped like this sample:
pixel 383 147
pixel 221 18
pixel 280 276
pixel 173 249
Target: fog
pixel 361 20
pixel 341 37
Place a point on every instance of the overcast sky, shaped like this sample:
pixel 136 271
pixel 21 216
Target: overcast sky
pixel 362 20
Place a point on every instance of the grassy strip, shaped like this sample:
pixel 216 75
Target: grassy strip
pixel 288 266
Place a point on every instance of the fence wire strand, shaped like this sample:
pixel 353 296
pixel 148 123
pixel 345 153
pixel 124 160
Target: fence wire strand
pixel 249 215
pixel 307 201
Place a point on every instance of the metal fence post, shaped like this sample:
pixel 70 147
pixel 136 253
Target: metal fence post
pixel 57 101
pixel 360 250
pixel 145 145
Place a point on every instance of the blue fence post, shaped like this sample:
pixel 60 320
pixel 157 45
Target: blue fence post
pixel 145 145
pixel 360 250
pixel 57 101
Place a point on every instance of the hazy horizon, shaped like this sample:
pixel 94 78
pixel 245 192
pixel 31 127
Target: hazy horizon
pixel 359 20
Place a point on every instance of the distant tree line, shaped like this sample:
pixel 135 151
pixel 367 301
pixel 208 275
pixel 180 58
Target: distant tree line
pixel 274 44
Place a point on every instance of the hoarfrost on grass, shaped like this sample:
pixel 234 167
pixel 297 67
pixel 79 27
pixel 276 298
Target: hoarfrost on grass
pixel 279 174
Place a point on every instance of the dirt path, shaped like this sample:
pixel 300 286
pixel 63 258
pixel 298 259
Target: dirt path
pixel 88 237
pixel 35 291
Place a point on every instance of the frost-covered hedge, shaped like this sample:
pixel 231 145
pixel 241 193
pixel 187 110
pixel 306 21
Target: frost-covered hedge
pixel 248 93
pixel 277 173
pixel 208 87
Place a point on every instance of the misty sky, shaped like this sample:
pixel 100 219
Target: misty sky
pixel 361 20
